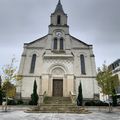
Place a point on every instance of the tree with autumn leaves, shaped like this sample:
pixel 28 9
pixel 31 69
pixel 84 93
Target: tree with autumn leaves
pixel 9 78
pixel 108 82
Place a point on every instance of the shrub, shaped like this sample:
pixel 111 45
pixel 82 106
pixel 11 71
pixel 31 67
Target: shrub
pixel 31 102
pixel 1 96
pixel 89 103
pixel 20 102
pixel 95 103
pixel 11 102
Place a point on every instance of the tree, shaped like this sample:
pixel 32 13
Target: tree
pixel 1 93
pixel 9 72
pixel 80 96
pixel 9 78
pixel 107 81
pixel 1 96
pixel 34 95
pixel 114 97
pixel 9 89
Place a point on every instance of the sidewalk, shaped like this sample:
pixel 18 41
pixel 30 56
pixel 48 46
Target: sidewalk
pixel 102 108
pixel 17 107
pixel 90 108
pixel 17 113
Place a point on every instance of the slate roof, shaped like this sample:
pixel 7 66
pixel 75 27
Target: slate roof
pixel 59 8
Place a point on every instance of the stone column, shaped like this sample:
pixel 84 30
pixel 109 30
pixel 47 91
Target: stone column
pixel 40 84
pixel 70 82
pixel 65 92
pixel 49 86
pixel 45 82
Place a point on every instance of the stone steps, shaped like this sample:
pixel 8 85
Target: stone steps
pixel 57 100
pixel 59 109
pixel 58 105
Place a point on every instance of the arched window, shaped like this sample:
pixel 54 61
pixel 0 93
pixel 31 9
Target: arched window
pixel 61 44
pixel 58 19
pixel 32 68
pixel 55 44
pixel 82 60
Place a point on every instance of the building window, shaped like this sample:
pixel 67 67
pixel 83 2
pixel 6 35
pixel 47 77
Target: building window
pixel 82 60
pixel 55 44
pixel 32 68
pixel 58 19
pixel 61 44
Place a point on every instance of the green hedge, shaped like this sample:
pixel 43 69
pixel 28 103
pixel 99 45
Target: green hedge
pixel 95 103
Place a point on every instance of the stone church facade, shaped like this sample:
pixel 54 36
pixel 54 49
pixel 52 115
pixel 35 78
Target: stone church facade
pixel 58 62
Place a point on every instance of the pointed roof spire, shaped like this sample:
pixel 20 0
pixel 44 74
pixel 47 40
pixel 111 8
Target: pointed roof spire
pixel 59 2
pixel 59 7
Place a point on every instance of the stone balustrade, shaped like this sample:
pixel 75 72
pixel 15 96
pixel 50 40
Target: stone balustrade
pixel 73 97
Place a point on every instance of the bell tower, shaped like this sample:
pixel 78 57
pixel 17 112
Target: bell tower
pixel 58 20
pixel 58 35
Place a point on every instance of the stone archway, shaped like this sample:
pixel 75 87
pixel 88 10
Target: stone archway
pixel 54 68
pixel 59 80
pixel 57 88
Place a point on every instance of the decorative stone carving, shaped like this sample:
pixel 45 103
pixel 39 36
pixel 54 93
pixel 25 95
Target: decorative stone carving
pixel 58 71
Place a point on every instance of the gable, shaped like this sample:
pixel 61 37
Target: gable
pixel 76 43
pixel 41 42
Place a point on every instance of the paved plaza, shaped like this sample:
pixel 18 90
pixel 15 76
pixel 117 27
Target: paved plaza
pixel 15 114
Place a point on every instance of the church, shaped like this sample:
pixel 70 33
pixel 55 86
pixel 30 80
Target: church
pixel 58 62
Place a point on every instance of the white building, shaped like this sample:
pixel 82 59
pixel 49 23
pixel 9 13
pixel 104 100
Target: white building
pixel 58 62
pixel 115 67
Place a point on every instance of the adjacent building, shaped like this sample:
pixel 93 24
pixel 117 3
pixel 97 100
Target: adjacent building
pixel 115 67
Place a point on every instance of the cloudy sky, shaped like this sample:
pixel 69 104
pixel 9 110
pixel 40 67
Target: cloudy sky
pixel 95 22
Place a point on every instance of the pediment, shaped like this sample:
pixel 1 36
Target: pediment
pixel 76 43
pixel 41 42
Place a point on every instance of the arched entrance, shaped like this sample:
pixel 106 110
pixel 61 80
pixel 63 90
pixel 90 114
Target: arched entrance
pixel 57 80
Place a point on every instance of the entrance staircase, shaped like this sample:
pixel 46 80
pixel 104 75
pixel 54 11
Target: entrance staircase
pixel 58 105
pixel 57 100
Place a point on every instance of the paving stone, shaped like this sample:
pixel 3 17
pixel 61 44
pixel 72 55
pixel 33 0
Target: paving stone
pixel 21 115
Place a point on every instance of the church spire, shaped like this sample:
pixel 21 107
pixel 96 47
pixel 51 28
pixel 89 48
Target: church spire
pixel 59 18
pixel 59 7
pixel 59 2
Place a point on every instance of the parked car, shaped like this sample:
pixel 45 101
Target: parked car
pixel 118 101
pixel 108 101
pixel 95 103
pixel 10 101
